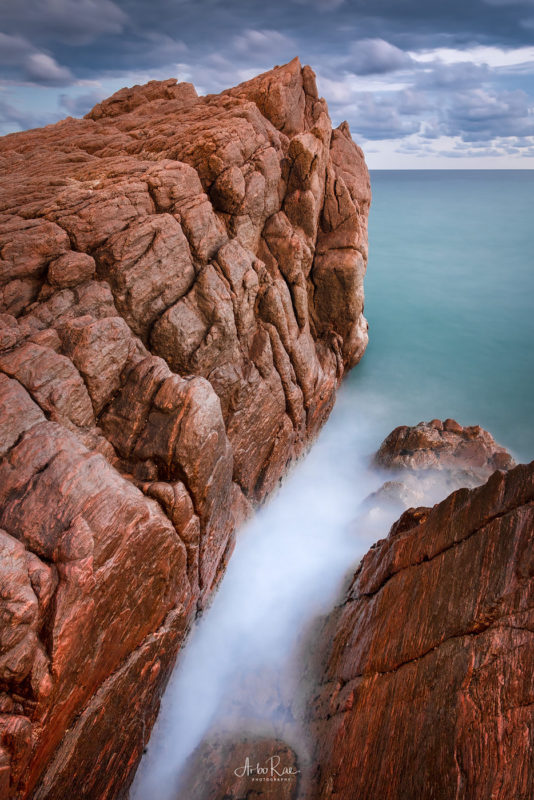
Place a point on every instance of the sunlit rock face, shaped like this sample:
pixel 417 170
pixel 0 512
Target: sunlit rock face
pixel 181 292
pixel 425 686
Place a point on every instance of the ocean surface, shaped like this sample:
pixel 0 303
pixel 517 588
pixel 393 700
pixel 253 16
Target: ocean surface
pixel 449 299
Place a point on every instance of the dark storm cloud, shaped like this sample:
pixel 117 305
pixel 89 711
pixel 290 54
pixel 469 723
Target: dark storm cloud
pixel 20 59
pixel 254 43
pixel 322 5
pixel 510 2
pixel 71 21
pixel 404 23
pixel 88 36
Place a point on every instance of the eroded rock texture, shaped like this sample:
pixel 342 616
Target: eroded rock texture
pixel 427 684
pixel 181 291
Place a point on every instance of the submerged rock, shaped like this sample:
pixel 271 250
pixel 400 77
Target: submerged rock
pixel 181 292
pixel 426 679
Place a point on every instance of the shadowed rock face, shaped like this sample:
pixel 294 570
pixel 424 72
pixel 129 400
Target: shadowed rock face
pixel 181 291
pixel 427 684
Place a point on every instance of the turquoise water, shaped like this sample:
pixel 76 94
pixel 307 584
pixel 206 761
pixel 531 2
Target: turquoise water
pixel 449 299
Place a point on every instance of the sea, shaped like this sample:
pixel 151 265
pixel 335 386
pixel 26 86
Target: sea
pixel 450 300
pixel 450 304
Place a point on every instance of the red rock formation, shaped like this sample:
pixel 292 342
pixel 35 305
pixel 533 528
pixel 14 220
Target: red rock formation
pixel 433 459
pixel 180 294
pixel 427 682
pixel 438 445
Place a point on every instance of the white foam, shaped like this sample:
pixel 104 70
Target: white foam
pixel 287 567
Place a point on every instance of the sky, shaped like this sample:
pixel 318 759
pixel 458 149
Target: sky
pixel 423 83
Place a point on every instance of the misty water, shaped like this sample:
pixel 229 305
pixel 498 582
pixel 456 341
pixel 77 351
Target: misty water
pixel 449 302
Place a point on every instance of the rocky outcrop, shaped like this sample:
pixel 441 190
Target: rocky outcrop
pixel 427 682
pixel 444 446
pixel 432 459
pixel 181 291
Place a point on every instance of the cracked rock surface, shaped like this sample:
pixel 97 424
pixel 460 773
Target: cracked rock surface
pixel 426 685
pixel 181 292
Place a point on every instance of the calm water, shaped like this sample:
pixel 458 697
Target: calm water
pixel 449 302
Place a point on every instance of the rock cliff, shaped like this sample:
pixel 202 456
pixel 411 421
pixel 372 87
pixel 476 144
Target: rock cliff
pixel 181 291
pixel 426 687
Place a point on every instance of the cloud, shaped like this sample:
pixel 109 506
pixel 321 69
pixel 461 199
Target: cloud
pixel 24 62
pixel 439 76
pixel 71 21
pixel 262 42
pixel 166 47
pixel 412 103
pixel 376 56
pixel 322 5
pixel 13 118
pixel 42 68
pixel 79 105
pixel 147 50
pixel 407 73
pixel 13 49
pixel 480 115
pixel 481 54
pixel 375 118
pixel 510 2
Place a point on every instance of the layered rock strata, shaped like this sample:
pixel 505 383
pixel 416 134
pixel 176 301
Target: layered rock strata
pixel 181 291
pixel 426 683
